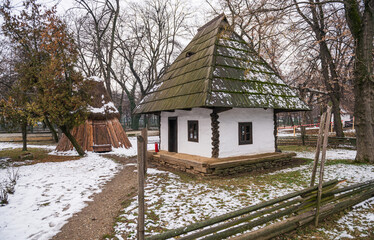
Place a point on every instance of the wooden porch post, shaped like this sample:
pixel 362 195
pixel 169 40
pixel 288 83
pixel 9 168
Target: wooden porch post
pixel 215 134
pixel 275 131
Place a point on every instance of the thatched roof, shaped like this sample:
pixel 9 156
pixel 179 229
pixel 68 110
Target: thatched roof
pixel 219 69
pixel 101 107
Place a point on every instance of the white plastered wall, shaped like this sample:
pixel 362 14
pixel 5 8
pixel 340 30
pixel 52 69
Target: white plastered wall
pixel 201 148
pixel 262 128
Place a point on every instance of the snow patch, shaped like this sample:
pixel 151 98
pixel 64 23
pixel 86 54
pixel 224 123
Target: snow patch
pixel 11 145
pixel 96 79
pixel 106 108
pixel 48 194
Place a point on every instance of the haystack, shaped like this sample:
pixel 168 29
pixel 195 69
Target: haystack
pixel 102 130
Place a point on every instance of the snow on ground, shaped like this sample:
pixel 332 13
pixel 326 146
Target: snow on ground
pixel 47 194
pixel 283 133
pixel 331 154
pixel 131 152
pixel 123 152
pixel 116 151
pixel 173 202
pixel 11 145
pixel 288 132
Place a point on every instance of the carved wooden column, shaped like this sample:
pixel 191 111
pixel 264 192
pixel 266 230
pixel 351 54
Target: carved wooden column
pixel 275 131
pixel 215 134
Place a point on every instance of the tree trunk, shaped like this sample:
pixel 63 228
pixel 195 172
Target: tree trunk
pixel 361 24
pixel 135 121
pixel 24 136
pixel 364 123
pixel 338 126
pixel 290 119
pixel 121 105
pixel 51 128
pixel 73 141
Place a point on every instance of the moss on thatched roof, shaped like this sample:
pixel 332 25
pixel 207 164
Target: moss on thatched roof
pixel 219 69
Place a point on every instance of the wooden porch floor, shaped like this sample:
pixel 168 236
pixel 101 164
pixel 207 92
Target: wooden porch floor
pixel 221 166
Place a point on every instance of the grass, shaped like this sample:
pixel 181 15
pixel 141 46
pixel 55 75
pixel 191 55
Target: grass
pixel 108 236
pixel 344 161
pixel 297 148
pixel 331 224
pixel 13 154
pixel 38 155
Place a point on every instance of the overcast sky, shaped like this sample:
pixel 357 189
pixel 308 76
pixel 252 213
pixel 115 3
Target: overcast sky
pixel 201 7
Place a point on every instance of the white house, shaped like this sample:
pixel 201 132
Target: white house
pixel 219 97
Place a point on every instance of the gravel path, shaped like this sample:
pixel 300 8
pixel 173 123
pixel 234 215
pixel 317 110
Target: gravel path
pixel 98 217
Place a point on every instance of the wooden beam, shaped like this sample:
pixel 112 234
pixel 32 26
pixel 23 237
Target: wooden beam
pixel 221 109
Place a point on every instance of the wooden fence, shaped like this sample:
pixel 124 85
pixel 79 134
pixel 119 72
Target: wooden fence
pixel 311 140
pixel 299 207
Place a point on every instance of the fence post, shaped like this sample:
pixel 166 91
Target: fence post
pixel 141 170
pixel 353 123
pixel 294 131
pixel 322 167
pixel 332 127
pixel 145 150
pixel 318 148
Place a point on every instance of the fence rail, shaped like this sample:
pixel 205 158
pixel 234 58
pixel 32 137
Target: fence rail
pixel 299 208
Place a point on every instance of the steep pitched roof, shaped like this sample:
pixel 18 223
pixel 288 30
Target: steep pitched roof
pixel 219 69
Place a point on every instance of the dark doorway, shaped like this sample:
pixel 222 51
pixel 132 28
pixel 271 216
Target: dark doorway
pixel 173 134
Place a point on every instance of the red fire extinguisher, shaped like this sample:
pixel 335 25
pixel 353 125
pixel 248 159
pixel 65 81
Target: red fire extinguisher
pixel 156 147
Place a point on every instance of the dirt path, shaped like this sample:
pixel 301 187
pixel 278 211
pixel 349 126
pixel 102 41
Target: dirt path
pixel 97 218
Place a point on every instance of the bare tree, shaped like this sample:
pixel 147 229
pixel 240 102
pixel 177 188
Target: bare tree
pixel 265 31
pixel 103 18
pixel 148 40
pixel 132 48
pixel 314 15
pixel 85 40
pixel 156 28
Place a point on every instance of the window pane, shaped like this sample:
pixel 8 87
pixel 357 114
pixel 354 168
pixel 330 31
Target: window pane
pixel 193 131
pixel 245 133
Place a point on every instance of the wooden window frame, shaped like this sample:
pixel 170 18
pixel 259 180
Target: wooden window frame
pixel 188 130
pixel 245 124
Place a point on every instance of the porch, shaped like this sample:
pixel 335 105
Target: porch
pixel 221 166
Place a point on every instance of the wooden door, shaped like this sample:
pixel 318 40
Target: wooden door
pixel 173 134
pixel 101 141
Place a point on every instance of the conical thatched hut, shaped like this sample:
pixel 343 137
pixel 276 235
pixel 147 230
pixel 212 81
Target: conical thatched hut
pixel 102 130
